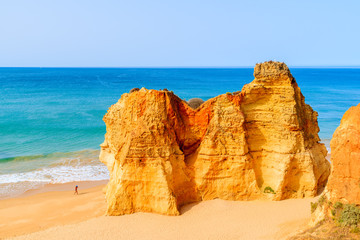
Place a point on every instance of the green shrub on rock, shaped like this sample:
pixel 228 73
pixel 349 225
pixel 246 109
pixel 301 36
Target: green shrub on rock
pixel 338 205
pixel 350 215
pixel 313 206
pixel 269 190
pixel 321 200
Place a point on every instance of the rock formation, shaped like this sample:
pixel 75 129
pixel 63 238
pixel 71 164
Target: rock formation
pixel 283 134
pixel 162 154
pixel 336 208
pixel 194 103
pixel 344 180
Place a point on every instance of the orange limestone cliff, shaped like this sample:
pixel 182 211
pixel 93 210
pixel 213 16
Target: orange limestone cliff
pixel 162 154
pixel 343 187
pixel 344 181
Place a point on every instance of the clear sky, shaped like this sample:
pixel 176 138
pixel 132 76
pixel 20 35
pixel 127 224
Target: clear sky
pixel 131 33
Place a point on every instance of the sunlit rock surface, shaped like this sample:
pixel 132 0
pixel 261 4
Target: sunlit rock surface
pixel 162 154
pixel 344 181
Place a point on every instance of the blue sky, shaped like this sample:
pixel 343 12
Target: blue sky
pixel 106 33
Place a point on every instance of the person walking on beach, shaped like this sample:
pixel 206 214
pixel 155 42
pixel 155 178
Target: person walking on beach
pixel 76 190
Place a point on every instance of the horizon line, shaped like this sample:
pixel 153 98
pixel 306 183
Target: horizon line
pixel 189 67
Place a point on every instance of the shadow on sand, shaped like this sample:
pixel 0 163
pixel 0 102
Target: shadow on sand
pixel 188 207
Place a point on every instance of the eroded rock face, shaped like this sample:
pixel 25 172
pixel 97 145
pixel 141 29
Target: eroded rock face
pixel 283 134
pixel 344 181
pixel 162 154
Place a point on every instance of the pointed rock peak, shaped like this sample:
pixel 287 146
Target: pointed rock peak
pixel 143 89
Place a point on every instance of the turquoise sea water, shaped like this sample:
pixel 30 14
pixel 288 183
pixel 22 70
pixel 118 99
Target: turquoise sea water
pixel 51 118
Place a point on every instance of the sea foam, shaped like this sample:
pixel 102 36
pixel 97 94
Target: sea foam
pixel 67 167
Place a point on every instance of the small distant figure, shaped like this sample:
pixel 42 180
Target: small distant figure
pixel 76 190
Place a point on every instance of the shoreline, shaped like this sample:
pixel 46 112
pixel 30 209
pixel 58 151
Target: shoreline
pixel 62 187
pixel 50 206
pixel 67 186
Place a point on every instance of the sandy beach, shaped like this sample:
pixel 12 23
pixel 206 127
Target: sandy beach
pixel 50 206
pixel 55 213
pixel 179 120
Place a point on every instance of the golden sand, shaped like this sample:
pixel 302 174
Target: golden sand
pixel 55 213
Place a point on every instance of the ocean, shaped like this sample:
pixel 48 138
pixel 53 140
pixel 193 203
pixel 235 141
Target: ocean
pixel 51 118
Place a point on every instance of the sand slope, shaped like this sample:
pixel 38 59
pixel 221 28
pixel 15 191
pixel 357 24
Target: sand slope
pixel 215 219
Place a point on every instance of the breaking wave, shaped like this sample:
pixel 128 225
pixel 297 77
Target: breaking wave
pixel 21 174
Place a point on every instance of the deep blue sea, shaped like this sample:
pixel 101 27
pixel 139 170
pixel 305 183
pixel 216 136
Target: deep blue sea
pixel 51 118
